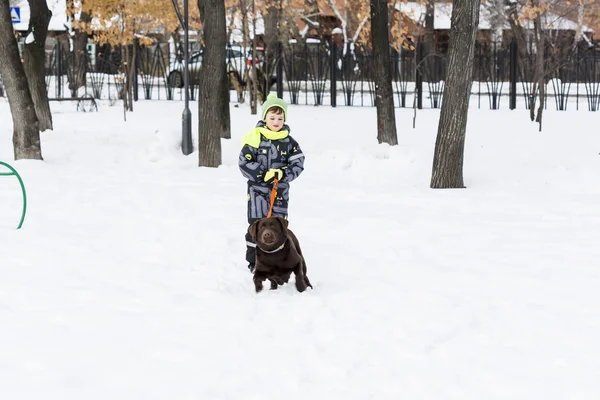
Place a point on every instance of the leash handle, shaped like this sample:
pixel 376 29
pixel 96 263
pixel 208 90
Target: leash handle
pixel 273 195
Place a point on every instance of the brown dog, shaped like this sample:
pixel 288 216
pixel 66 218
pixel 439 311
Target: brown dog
pixel 278 254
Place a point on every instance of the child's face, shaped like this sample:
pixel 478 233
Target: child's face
pixel 274 121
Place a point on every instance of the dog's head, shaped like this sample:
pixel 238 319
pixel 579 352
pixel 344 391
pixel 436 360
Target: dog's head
pixel 269 233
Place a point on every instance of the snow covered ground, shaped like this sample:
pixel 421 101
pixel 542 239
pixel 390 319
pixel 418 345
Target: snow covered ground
pixel 128 279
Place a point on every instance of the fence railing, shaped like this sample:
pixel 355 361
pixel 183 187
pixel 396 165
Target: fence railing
pixel 325 74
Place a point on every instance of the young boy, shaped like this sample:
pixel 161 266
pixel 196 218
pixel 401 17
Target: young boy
pixel 269 152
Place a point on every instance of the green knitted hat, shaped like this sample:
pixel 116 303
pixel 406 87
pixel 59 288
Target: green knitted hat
pixel 274 101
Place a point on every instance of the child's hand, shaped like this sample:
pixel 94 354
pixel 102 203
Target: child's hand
pixel 272 174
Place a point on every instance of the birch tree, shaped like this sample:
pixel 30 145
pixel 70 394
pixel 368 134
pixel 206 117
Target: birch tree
pixel 356 8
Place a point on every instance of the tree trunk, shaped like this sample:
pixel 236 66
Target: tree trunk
pixel 384 97
pixel 271 34
pixel 34 60
pixel 225 115
pixel 271 38
pixel 581 9
pixel 80 62
pixel 223 99
pixel 540 73
pixel 253 75
pixel 524 56
pixel 533 97
pixel 79 54
pixel 26 134
pixel 126 65
pixel 236 79
pixel 450 143
pixel 131 71
pixel 429 27
pixel 519 33
pixel 210 102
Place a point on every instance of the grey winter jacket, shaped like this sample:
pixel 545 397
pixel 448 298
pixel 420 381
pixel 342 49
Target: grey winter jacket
pixel 284 154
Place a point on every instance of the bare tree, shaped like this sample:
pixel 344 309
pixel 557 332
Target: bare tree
pixel 450 143
pixel 225 114
pixel 271 22
pixel 78 56
pixel 351 9
pixel 530 55
pixel 272 18
pixel 543 51
pixel 26 134
pixel 497 18
pixel 223 99
pixel 384 96
pixel 429 40
pixel 124 25
pixel 212 77
pixel 34 57
pixel 539 75
pixel 253 74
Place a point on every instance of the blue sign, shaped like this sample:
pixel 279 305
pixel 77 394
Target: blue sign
pixel 15 14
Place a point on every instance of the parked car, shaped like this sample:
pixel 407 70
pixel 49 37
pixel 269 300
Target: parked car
pixel 235 64
pixel 234 58
pixel 260 57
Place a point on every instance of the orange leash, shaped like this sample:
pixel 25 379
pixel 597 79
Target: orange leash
pixel 273 195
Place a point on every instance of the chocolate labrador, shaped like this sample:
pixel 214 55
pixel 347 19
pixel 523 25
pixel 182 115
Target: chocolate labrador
pixel 278 254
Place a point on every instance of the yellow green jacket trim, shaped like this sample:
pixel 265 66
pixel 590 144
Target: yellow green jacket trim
pixel 252 138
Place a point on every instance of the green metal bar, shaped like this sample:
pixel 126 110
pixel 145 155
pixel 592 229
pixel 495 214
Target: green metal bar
pixel 15 173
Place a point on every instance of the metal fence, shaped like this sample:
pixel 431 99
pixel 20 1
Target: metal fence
pixel 325 74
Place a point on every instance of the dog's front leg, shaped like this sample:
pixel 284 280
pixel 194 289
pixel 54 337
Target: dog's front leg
pixel 259 278
pixel 306 280
pixel 300 281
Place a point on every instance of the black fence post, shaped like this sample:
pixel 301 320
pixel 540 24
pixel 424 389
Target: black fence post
pixel 513 75
pixel 578 65
pixel 279 69
pixel 136 69
pixel 59 69
pixel 333 80
pixel 419 77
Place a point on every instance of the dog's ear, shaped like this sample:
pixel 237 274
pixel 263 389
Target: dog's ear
pixel 284 224
pixel 254 229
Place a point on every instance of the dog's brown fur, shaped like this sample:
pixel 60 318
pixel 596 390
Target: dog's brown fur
pixel 273 263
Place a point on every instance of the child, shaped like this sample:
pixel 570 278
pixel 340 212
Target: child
pixel 269 151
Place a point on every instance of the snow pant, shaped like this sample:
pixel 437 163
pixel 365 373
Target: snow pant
pixel 259 198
